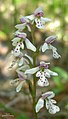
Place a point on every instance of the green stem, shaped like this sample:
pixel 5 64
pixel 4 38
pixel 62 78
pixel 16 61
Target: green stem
pixel 34 95
pixel 34 78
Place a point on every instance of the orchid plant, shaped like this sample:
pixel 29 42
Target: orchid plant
pixel 27 68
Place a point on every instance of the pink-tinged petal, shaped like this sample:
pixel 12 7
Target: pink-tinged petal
pixel 20 35
pixel 38 12
pixel 50 39
pixel 29 45
pixel 39 104
pixel 44 65
pixel 20 27
pixel 32 71
pixel 24 20
pixel 48 95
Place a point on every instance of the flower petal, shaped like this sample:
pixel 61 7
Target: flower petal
pixel 30 17
pixel 47 104
pixel 29 45
pixel 38 10
pixel 29 58
pixel 39 23
pixel 55 54
pixel 23 68
pixel 44 47
pixel 20 34
pixel 15 41
pixel 51 72
pixel 21 62
pixel 53 101
pixel 45 19
pixel 19 87
pixel 22 45
pixel 39 104
pixel 24 20
pixel 20 27
pixel 46 74
pixel 38 74
pixel 16 51
pixel 48 94
pixel 32 71
pixel 29 29
pixel 53 109
pixel 57 109
pixel 15 81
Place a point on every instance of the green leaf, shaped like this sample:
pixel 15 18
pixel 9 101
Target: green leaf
pixel 22 116
pixel 62 74
pixel 60 79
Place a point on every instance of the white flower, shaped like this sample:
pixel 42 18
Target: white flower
pixel 50 103
pixel 37 17
pixel 19 81
pixel 25 23
pixel 22 77
pixel 43 72
pixel 18 42
pixel 24 59
pixel 47 45
pixel 40 22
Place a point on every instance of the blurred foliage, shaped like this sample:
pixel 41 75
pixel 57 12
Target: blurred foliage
pixel 60 79
pixel 11 111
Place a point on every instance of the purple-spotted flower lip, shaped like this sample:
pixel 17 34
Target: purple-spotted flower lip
pixel 44 65
pixel 50 39
pixel 38 12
